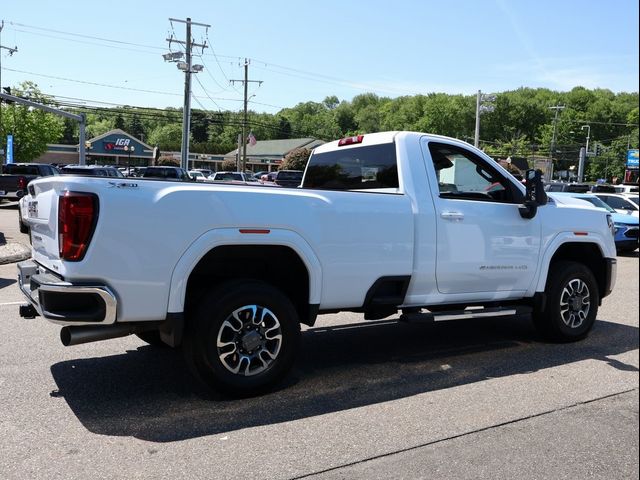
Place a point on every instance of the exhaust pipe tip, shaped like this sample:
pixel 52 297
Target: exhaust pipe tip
pixel 86 334
pixel 65 336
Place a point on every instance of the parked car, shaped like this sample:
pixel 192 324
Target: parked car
pixel 622 203
pixel 175 174
pixel 289 178
pixel 566 187
pixel 626 226
pixel 627 188
pixel 205 171
pixel 603 188
pixel 268 178
pixel 233 177
pixel 16 176
pixel 198 176
pixel 92 171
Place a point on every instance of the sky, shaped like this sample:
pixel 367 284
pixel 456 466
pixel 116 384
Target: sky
pixel 110 53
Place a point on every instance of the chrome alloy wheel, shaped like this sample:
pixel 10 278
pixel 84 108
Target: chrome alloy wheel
pixel 249 340
pixel 575 303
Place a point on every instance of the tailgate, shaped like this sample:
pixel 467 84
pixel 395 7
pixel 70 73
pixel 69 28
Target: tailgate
pixel 40 212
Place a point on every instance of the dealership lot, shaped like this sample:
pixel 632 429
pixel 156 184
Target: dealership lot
pixel 366 400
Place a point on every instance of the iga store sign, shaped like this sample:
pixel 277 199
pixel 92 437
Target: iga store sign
pixel 632 159
pixel 118 144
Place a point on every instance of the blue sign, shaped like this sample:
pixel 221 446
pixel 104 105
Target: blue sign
pixel 632 159
pixel 9 148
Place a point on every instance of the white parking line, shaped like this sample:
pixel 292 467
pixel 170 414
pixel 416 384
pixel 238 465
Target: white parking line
pixel 12 303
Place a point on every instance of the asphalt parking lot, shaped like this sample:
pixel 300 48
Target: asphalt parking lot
pixel 366 400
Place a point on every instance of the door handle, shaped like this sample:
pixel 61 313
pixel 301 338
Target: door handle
pixel 452 215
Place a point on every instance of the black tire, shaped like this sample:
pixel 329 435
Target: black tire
pixel 21 225
pixel 152 337
pixel 242 338
pixel 572 303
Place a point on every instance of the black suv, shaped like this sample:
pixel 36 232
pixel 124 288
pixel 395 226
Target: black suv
pixel 289 178
pixel 175 174
pixel 91 171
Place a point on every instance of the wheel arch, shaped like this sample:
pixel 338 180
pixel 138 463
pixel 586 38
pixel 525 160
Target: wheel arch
pixel 280 258
pixel 588 254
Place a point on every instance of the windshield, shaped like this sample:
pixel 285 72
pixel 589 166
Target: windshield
pixel 633 198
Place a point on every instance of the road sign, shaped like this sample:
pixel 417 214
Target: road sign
pixel 632 159
pixel 9 148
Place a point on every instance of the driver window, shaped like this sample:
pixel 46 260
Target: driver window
pixel 462 175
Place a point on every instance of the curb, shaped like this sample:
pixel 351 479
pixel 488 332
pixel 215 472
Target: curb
pixel 14 252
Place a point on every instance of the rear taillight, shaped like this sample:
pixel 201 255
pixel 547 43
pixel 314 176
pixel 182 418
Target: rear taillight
pixel 77 217
pixel 22 183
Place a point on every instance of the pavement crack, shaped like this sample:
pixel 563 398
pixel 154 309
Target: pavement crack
pixel 465 434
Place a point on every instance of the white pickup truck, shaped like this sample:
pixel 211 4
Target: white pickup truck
pixel 384 222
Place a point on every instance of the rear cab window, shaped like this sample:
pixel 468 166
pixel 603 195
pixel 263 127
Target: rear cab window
pixel 365 168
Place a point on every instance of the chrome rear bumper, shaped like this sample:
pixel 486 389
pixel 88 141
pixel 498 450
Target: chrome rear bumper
pixel 65 303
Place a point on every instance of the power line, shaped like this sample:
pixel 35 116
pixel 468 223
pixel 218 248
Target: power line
pixel 85 82
pixel 110 40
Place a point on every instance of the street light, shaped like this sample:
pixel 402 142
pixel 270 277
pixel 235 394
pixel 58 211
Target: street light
pixel 588 127
pixel 129 149
pixel 87 147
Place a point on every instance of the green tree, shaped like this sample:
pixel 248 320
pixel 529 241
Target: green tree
pixel 135 127
pixel 119 122
pixel 199 126
pixel 167 137
pixel 32 129
pixel 70 132
pixel 228 165
pixel 169 161
pixel 296 159
pixel 98 127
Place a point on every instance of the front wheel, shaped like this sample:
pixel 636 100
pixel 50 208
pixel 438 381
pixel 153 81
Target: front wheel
pixel 572 303
pixel 243 337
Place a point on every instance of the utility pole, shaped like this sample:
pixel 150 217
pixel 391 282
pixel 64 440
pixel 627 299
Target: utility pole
pixel 583 155
pixel 188 69
pixel 245 82
pixel 11 52
pixel 557 108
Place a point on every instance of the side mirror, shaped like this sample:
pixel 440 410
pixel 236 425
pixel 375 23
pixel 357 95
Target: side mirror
pixel 535 195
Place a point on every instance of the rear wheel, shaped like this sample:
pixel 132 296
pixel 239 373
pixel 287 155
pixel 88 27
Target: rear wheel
pixel 572 303
pixel 243 338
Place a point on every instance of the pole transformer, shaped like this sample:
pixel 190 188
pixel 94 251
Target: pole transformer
pixel 188 69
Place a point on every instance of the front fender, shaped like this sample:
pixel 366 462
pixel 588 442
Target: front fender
pixel 605 246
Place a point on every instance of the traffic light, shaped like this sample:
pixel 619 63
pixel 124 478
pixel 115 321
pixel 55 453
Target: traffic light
pixel 598 149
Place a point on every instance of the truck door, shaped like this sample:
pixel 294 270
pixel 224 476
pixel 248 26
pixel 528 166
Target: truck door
pixel 482 242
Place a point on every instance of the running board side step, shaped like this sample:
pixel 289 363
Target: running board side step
pixel 467 314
